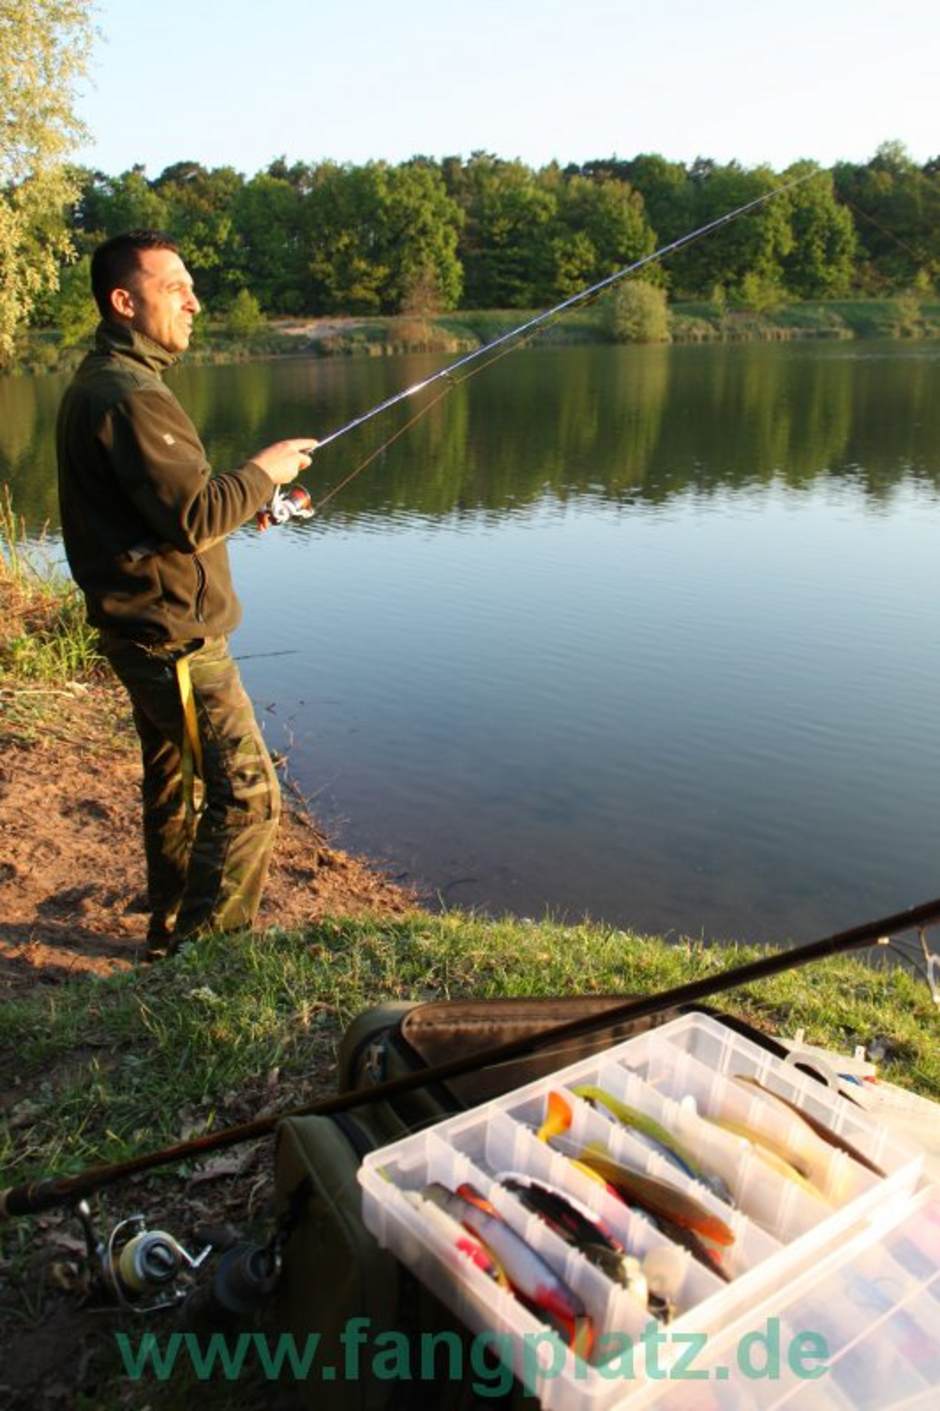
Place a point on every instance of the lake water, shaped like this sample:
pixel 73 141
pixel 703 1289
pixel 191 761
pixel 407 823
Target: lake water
pixel 645 633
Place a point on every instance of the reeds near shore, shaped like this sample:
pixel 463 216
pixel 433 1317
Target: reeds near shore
pixel 44 633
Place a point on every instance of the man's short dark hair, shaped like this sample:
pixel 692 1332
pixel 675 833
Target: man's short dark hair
pixel 116 258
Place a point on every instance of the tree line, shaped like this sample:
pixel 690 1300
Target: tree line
pixel 484 232
pixel 427 235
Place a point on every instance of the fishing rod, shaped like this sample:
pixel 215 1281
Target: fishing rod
pixel 34 1197
pixel 297 502
pixel 557 309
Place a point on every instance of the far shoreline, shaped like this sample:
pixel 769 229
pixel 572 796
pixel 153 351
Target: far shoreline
pixel 901 318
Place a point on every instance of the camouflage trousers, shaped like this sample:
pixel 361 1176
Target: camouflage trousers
pixel 204 873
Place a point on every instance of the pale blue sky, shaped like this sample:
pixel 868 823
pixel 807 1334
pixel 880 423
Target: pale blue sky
pixel 241 82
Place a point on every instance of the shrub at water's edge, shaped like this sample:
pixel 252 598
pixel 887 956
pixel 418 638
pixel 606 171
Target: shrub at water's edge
pixel 636 312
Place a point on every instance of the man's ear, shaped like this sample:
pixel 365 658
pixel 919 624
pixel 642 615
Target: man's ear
pixel 122 302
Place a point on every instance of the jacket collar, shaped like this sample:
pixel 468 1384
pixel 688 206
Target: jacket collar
pixel 119 338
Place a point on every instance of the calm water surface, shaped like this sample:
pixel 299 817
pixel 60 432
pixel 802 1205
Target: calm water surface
pixel 649 634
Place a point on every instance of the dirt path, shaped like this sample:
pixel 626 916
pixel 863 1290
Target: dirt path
pixel 71 862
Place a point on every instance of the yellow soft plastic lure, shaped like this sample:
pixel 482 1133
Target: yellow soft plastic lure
pixel 769 1154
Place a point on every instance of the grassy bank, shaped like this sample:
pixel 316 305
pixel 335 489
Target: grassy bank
pixel 108 1067
pixel 902 317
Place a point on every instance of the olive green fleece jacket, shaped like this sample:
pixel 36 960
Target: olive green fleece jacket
pixel 143 521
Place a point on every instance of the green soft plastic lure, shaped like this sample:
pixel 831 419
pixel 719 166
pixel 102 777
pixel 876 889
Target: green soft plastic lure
pixel 657 1134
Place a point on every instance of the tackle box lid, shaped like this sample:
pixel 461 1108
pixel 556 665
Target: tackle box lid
pixel 857 1331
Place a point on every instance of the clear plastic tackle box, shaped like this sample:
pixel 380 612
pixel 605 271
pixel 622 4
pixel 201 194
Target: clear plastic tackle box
pixel 834 1296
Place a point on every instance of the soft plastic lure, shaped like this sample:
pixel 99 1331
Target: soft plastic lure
pixel 579 1226
pixel 657 1197
pixel 818 1128
pixel 454 1231
pixel 657 1134
pixel 531 1279
pixel 770 1153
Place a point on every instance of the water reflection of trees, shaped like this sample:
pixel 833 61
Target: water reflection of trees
pixel 614 423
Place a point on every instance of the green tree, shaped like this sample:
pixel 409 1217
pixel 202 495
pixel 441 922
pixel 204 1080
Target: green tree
pixel 375 232
pixel 44 47
pixel 667 191
pixel 896 206
pixel 820 261
pixel 754 243
pixel 74 311
pixel 346 238
pixel 268 217
pixel 200 215
pixel 423 225
pixel 603 228
pixel 507 247
pixel 110 205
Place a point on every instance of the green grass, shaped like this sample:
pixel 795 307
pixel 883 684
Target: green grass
pixel 105 1066
pixel 45 638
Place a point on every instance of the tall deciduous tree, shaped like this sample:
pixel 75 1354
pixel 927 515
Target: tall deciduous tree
pixel 44 46
pixel 375 233
pixel 819 263
pixel 200 206
pixel 507 251
pixel 897 210
pixel 751 247
pixel 602 228
pixel 110 205
pixel 268 218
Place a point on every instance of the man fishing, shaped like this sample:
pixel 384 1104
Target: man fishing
pixel 144 526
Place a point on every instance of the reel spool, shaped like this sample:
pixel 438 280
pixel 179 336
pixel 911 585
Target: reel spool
pixel 294 504
pixel 141 1268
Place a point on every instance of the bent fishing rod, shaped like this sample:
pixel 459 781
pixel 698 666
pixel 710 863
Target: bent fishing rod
pixel 34 1197
pixel 297 502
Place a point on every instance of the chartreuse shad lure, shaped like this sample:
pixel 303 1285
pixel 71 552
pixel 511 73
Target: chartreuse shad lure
pixel 657 1135
pixel 770 1152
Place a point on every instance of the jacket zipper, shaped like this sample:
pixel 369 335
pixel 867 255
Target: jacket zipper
pixel 200 588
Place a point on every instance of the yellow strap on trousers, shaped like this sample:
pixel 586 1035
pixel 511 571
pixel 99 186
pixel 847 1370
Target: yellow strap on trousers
pixel 191 752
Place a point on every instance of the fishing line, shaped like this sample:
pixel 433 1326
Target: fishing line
pixel 506 340
pixel 917 255
pixel 449 386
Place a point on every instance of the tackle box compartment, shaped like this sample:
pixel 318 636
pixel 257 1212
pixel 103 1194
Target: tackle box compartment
pixel 788 1239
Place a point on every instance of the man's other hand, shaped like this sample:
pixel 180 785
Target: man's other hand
pixel 284 461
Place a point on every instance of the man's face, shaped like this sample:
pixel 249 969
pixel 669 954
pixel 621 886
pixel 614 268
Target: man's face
pixel 159 300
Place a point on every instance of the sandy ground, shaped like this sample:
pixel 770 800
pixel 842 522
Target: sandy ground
pixel 71 862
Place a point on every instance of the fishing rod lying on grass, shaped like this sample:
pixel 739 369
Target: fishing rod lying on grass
pixel 297 502
pixel 36 1196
